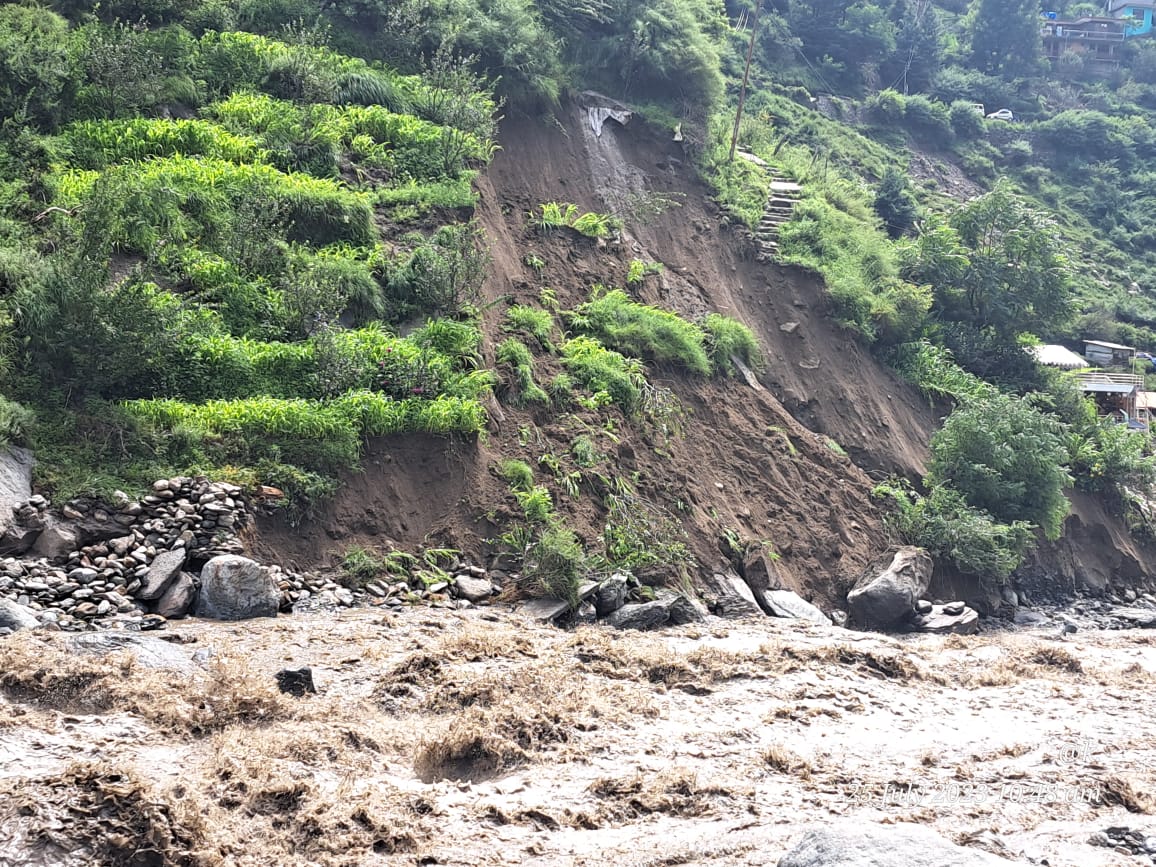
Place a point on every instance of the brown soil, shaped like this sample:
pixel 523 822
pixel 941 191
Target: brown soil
pixel 756 462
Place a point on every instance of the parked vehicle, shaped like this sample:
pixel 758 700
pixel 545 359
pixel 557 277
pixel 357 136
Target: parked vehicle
pixel 1002 114
pixel 978 108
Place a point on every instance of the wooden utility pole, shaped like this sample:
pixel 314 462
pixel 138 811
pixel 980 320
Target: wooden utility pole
pixel 746 75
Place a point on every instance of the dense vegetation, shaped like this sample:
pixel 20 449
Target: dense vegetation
pixel 218 219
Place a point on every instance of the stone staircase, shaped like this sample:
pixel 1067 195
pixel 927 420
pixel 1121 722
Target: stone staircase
pixel 780 205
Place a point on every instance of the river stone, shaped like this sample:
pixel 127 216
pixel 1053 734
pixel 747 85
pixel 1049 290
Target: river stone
pixel 885 601
pixel 177 601
pixel 648 615
pixel 236 588
pixel 942 621
pixel 15 616
pixel 856 844
pixel 611 595
pixel 786 603
pixel 545 609
pixel 473 589
pixel 164 569
pixel 56 542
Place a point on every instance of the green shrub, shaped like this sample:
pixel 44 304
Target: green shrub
pixel 97 144
pixel 641 330
pixel 16 422
pixel 514 353
pixel 1007 458
pixel 519 475
pixel 933 370
pixel 557 215
pixel 602 370
pixel 728 337
pixel 966 121
pixel 529 320
pixel 948 527
pixel 536 503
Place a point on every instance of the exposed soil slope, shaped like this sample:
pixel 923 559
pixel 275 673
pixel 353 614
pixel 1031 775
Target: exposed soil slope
pixel 744 462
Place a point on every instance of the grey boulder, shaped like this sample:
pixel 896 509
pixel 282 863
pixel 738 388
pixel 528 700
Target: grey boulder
pixel 610 595
pixel 885 601
pixel 473 589
pixel 944 620
pixel 15 616
pixel 647 615
pixel 863 845
pixel 147 651
pixel 166 566
pixel 786 603
pixel 56 542
pixel 177 601
pixel 236 588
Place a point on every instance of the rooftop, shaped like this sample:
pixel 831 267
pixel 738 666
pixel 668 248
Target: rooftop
pixel 1054 355
pixel 1104 344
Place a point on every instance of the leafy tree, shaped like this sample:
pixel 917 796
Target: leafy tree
pixel 1007 458
pixel 996 263
pixel 918 51
pixel 1005 36
pixel 852 32
pixel 35 63
pixel 894 203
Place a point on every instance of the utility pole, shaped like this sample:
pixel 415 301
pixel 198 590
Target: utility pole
pixel 746 75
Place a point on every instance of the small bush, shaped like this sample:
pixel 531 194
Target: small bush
pixel 558 215
pixel 537 504
pixel 529 320
pixel 15 423
pixel 514 353
pixel 519 475
pixel 602 370
pixel 728 337
pixel 644 331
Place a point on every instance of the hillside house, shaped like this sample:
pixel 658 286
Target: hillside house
pixel 1099 41
pixel 1137 15
pixel 1103 353
pixel 1116 395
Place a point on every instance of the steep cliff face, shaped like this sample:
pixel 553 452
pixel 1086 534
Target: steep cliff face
pixel 789 461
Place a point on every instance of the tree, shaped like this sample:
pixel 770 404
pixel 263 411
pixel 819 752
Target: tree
pixel 918 46
pixel 894 203
pixel 1007 458
pixel 35 63
pixel 1005 36
pixel 995 264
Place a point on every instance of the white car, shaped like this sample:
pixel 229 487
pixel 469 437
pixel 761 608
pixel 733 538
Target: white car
pixel 1002 114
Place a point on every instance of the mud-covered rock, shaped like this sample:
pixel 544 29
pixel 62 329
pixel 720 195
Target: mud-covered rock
pixel 236 588
pixel 858 844
pixel 787 603
pixel 610 595
pixel 148 651
pixel 944 620
pixel 886 600
pixel 643 616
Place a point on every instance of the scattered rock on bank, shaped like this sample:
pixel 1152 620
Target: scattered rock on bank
pixel 902 845
pixel 886 600
pixel 15 616
pixel 787 603
pixel 953 618
pixel 236 588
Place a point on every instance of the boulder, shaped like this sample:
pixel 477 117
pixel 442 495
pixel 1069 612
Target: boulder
pixel 56 542
pixel 944 619
pixel 15 616
pixel 473 589
pixel 885 601
pixel 166 566
pixel 236 588
pixel 647 615
pixel 682 609
pixel 296 681
pixel 735 596
pixel 610 595
pixel 177 601
pixel 786 603
pixel 545 609
pixel 148 651
pixel 15 482
pixel 759 571
pixel 857 844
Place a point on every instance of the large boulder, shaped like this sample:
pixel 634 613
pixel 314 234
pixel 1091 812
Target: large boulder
pixel 148 652
pixel 166 566
pixel 15 482
pixel 857 844
pixel 177 601
pixel 236 588
pixel 955 619
pixel 611 594
pixel 887 600
pixel 15 616
pixel 647 615
pixel 786 603
pixel 56 542
pixel 735 598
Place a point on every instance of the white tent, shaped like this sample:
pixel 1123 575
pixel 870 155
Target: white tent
pixel 1053 355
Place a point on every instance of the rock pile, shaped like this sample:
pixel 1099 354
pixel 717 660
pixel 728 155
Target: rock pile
pixel 1127 841
pixel 124 560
